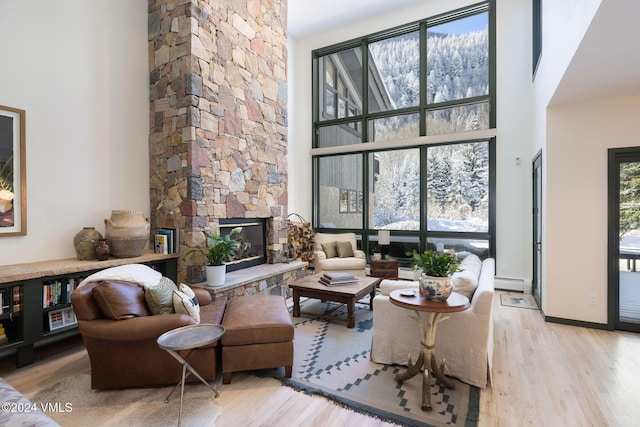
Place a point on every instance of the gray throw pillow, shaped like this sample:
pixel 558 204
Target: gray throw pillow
pixel 160 298
pixel 330 249
pixel 345 250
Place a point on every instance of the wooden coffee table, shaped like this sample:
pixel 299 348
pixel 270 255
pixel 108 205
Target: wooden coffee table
pixel 345 294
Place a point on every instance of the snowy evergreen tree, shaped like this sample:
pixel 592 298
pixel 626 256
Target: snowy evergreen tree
pixel 440 178
pixel 629 197
pixel 473 176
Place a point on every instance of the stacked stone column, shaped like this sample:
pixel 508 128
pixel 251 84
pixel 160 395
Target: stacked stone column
pixel 218 136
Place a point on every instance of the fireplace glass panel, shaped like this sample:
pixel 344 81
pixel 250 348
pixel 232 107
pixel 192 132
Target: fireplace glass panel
pixel 253 238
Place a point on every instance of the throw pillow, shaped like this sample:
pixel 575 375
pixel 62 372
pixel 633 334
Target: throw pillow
pixel 471 263
pixel 186 302
pixel 465 282
pixel 345 249
pixel 330 249
pixel 160 298
pixel 120 300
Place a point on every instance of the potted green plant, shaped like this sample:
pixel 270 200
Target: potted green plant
pixel 219 251
pixel 436 269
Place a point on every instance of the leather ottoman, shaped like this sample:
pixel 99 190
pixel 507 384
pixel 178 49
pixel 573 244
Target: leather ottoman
pixel 259 335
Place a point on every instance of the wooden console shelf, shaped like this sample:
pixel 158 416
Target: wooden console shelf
pixel 34 298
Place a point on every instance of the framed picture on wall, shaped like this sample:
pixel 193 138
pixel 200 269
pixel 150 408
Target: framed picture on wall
pixel 344 201
pixel 353 201
pixel 13 171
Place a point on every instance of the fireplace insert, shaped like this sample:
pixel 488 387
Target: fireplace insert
pixel 253 236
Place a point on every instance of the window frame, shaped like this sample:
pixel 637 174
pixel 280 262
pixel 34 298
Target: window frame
pixel 363 119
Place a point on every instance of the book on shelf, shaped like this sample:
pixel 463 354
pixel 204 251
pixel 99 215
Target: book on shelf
pixel 61 318
pixel 162 246
pixel 173 239
pixel 58 291
pixel 17 299
pixel 3 335
pixel 4 301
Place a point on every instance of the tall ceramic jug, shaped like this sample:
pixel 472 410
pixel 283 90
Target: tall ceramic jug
pixel 127 233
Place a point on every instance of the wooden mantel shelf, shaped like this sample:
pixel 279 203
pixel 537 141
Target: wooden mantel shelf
pixel 35 270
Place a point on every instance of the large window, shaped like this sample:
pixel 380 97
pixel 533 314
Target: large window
pixel 404 134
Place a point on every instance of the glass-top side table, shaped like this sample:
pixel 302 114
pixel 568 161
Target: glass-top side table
pixel 188 338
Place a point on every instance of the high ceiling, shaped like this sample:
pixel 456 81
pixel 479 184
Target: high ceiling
pixel 607 62
pixel 308 17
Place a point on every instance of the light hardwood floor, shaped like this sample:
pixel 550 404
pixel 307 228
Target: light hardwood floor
pixel 544 375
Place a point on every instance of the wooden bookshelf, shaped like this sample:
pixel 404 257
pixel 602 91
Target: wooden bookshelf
pixel 35 298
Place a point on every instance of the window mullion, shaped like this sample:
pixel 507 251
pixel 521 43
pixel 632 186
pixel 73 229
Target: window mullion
pixel 423 79
pixel 365 90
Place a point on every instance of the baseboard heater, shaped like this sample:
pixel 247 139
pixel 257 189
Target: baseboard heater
pixel 513 284
pixel 502 283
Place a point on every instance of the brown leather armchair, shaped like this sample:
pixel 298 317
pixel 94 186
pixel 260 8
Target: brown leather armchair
pixel 124 353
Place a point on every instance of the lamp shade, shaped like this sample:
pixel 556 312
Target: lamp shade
pixel 384 237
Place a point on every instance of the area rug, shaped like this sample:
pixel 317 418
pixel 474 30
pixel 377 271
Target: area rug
pixel 333 361
pixel 73 403
pixel 520 301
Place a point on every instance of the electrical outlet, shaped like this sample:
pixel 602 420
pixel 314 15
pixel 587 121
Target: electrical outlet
pixel 593 299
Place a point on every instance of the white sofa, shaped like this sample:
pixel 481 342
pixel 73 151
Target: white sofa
pixel 355 265
pixel 464 340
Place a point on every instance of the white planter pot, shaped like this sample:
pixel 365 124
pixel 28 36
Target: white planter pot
pixel 216 275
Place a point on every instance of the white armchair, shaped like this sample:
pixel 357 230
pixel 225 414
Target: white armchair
pixel 354 264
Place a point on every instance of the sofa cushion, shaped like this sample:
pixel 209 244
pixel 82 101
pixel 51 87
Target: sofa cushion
pixel 185 302
pixel 330 249
pixel 465 282
pixel 160 298
pixel 120 300
pixel 344 249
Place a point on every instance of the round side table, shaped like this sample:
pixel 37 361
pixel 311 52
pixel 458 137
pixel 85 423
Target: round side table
pixel 188 338
pixel 412 300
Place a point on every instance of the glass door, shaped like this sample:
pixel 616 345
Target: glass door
pixel 624 239
pixel 536 286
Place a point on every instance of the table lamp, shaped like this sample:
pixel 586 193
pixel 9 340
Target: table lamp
pixel 384 239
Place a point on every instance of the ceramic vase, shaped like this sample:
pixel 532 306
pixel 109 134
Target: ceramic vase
pixel 216 275
pixel 127 233
pixel 103 250
pixel 84 243
pixel 435 288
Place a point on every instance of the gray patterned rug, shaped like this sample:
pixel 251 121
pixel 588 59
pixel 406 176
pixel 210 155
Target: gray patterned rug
pixel 519 301
pixel 333 361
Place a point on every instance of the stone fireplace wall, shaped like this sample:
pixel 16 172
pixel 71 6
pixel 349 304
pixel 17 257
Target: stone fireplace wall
pixel 218 135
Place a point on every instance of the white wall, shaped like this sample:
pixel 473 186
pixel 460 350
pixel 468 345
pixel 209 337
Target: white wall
pixel 79 69
pixel 514 140
pixel 576 250
pixel 564 25
pixel 515 131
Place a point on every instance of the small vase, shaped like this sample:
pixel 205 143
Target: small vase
pixel 84 243
pixel 103 250
pixel 435 288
